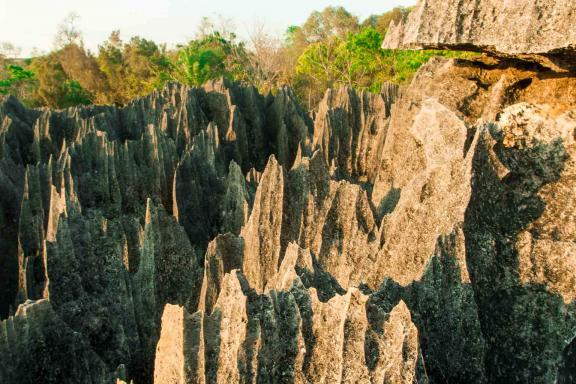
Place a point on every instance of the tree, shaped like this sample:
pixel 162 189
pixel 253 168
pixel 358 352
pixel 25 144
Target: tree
pixel 363 60
pixel 55 89
pixel 318 62
pixel 201 60
pixel 82 67
pixel 148 66
pixel 210 57
pixel 267 64
pixel 9 50
pixel 315 70
pixel 295 43
pixel 316 39
pixel 329 50
pixel 382 22
pixel 356 62
pixel 332 21
pixel 68 32
pixel 111 62
pixel 16 81
pixel 132 69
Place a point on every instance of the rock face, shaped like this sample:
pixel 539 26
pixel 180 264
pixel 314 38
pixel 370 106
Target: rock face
pixel 35 339
pixel 541 30
pixel 107 214
pixel 213 235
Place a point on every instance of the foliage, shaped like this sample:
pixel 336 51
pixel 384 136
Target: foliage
pixel 355 61
pixel 382 22
pixel 132 69
pixel 83 68
pixel 208 58
pixel 359 62
pixel 148 66
pixel 330 49
pixel 16 75
pixel 17 81
pixel 320 26
pixel 332 21
pixel 74 94
pixel 267 63
pixel 403 64
pixel 55 89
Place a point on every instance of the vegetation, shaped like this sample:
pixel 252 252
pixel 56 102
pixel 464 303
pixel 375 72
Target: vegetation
pixel 15 77
pixel 332 48
pixel 209 57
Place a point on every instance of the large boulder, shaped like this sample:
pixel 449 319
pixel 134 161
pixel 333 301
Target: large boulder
pixel 533 29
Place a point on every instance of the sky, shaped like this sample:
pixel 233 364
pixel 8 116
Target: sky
pixel 30 24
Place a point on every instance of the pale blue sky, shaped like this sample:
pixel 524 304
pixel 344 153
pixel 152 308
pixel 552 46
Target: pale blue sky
pixel 33 23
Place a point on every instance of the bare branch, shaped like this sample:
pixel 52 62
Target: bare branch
pixel 68 32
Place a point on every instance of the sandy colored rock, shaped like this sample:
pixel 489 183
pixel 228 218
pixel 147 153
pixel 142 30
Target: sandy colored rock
pixel 350 129
pixel 424 190
pixel 169 364
pixel 398 348
pixel 262 232
pixel 223 255
pixel 515 28
pixel 546 248
pixel 225 330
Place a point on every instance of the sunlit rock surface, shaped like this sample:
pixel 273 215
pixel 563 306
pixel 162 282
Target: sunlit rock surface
pixel 213 235
pixel 536 30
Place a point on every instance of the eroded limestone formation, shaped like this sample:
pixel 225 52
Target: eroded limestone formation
pixel 213 235
pixel 529 29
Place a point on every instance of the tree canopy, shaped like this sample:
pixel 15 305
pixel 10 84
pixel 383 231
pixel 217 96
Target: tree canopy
pixel 331 48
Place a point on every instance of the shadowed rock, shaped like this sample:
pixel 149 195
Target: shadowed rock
pixel 35 344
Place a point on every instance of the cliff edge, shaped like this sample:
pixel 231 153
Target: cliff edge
pixel 529 29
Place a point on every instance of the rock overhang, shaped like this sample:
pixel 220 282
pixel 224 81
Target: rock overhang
pixel 530 30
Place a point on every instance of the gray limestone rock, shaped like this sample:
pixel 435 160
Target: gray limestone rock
pixel 529 29
pixel 198 235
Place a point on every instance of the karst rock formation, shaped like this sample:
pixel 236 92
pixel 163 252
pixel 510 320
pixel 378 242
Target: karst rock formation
pixel 425 234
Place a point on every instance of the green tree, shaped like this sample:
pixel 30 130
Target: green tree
pixel 318 62
pixel 360 58
pixel 330 49
pixel 330 22
pixel 210 57
pixel 132 69
pixel 319 27
pixel 355 61
pixel 148 66
pixel 15 80
pixel 111 62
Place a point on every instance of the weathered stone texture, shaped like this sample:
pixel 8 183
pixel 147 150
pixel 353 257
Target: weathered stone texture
pixel 541 30
pixel 213 235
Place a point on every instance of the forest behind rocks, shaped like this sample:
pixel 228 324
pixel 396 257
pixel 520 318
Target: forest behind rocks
pixel 332 48
pixel 216 233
